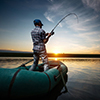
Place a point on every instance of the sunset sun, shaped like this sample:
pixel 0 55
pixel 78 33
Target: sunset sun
pixel 56 52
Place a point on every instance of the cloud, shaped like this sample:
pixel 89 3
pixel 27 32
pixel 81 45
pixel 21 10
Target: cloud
pixel 78 47
pixel 94 4
pixel 87 23
pixel 93 36
pixel 59 9
pixel 53 11
pixel 49 17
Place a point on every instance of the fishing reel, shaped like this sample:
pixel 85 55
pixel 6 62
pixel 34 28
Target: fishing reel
pixel 52 33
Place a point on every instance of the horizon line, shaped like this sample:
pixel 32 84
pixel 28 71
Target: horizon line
pixel 19 51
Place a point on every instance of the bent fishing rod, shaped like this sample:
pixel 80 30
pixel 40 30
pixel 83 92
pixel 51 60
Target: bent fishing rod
pixel 52 32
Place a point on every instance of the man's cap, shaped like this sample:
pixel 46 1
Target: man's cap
pixel 37 21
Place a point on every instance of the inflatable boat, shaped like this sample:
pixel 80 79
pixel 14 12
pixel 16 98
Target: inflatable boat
pixel 20 82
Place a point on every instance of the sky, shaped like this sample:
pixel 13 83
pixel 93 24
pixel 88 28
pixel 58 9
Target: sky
pixel 83 37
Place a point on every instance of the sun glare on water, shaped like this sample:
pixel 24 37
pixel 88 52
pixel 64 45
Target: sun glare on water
pixel 56 59
pixel 56 52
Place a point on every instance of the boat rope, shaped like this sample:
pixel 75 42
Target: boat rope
pixel 24 66
pixel 12 81
pixel 63 19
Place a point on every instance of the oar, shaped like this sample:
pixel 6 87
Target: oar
pixel 23 65
pixel 66 90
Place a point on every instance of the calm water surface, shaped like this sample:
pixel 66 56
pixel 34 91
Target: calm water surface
pixel 83 77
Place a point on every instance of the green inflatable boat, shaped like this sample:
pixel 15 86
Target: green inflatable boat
pixel 20 82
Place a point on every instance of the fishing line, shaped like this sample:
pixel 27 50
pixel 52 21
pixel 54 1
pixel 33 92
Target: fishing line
pixel 63 19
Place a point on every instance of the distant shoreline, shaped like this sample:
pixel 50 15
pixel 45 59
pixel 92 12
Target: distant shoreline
pixel 5 54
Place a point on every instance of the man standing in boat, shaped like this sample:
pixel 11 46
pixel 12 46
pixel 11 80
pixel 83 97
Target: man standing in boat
pixel 40 38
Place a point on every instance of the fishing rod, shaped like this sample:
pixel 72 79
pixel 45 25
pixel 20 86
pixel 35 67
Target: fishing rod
pixel 52 32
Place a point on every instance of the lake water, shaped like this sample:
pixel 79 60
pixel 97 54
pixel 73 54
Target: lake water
pixel 83 77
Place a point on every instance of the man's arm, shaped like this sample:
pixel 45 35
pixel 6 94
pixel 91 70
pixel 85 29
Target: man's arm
pixel 48 36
